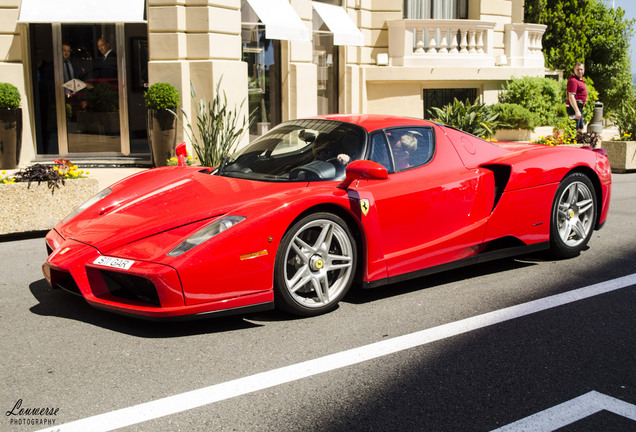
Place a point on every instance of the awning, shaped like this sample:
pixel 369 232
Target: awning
pixel 344 30
pixel 82 11
pixel 280 19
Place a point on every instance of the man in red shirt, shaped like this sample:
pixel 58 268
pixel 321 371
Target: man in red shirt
pixel 576 95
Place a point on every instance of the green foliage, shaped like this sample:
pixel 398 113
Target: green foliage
pixel 588 31
pixel 516 116
pixel 102 98
pixel 541 96
pixel 567 128
pixel 9 96
pixel 218 128
pixel 162 96
pixel 545 98
pixel 625 119
pixel 607 61
pixel 473 118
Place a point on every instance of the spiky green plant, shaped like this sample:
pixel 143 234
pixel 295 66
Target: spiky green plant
pixel 625 119
pixel 219 128
pixel 473 118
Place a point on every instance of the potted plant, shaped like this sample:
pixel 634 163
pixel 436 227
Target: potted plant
pixel 10 126
pixel 519 122
pixel 58 188
pixel 162 99
pixel 622 151
pixel 219 127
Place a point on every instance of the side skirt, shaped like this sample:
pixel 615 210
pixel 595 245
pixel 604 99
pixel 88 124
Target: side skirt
pixel 476 259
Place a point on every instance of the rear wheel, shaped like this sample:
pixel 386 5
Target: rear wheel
pixel 315 265
pixel 573 216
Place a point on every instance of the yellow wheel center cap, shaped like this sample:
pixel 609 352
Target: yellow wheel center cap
pixel 571 213
pixel 316 263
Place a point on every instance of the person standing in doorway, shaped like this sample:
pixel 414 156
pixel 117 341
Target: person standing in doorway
pixel 106 64
pixel 576 96
pixel 69 71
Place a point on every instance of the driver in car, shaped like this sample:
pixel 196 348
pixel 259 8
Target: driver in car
pixel 322 151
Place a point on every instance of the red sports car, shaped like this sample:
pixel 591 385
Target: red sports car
pixel 315 204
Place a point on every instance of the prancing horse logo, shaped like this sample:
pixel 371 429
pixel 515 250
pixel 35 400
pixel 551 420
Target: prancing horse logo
pixel 364 206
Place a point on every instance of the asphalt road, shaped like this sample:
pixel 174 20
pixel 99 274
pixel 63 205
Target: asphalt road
pixel 573 361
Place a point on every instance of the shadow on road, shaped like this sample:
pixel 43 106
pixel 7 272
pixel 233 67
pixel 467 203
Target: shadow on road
pixel 56 302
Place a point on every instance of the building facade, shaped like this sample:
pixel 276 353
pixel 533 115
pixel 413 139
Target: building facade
pixel 82 66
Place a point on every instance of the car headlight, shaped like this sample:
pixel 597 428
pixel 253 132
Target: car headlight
pixel 205 234
pixel 103 194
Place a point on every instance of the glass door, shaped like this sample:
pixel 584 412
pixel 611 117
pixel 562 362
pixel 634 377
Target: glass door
pixel 88 83
pixel 90 86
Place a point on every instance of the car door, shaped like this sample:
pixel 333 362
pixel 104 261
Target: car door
pixel 431 211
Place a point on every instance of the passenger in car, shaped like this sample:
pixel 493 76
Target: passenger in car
pixel 402 151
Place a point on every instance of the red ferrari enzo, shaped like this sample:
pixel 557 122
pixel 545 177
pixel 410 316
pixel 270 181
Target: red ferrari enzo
pixel 315 204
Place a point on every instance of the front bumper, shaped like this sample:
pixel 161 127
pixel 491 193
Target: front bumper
pixel 146 289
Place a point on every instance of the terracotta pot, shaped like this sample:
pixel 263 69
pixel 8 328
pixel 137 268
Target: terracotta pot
pixel 162 133
pixel 10 137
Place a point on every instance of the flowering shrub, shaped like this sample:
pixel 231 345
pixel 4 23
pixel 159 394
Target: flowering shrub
pixel 68 169
pixel 189 160
pixel 51 175
pixel 4 178
pixel 625 136
pixel 557 138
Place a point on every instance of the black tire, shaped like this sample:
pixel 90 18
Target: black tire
pixel 315 265
pixel 573 216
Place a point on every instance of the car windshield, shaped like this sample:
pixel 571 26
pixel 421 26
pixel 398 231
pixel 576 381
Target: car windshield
pixel 298 150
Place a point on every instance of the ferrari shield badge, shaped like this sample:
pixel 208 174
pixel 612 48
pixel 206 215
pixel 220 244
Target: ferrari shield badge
pixel 364 206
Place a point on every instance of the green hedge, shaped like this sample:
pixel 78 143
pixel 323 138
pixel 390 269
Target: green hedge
pixel 515 116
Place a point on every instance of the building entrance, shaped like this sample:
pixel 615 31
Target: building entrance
pixel 88 82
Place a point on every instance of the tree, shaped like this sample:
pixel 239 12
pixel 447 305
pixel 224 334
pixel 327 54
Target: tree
pixel 592 32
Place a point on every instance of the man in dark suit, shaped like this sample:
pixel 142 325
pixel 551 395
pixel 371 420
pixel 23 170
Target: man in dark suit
pixel 105 67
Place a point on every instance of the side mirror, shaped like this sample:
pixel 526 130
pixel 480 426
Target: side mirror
pixel 363 169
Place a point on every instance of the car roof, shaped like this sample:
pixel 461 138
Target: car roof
pixel 372 122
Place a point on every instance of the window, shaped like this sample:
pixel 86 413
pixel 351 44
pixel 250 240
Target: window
pixel 326 60
pixel 436 9
pixel 440 97
pixel 408 147
pixel 379 151
pixel 299 150
pixel 263 58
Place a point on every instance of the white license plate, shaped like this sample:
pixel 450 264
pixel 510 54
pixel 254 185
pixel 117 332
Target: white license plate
pixel 119 263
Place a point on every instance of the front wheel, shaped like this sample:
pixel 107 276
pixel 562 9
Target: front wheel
pixel 573 216
pixel 315 265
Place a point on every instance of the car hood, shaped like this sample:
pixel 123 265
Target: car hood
pixel 160 200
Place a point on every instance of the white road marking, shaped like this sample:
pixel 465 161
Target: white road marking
pixel 196 398
pixel 571 411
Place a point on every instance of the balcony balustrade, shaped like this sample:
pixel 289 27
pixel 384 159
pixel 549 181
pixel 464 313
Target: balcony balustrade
pixel 462 43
